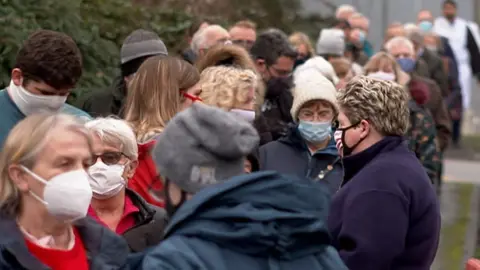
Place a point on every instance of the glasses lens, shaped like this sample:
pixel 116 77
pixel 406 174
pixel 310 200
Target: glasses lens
pixel 111 158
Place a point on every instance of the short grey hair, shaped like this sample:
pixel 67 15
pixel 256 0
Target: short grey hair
pixel 414 33
pixel 115 132
pixel 400 41
pixel 201 39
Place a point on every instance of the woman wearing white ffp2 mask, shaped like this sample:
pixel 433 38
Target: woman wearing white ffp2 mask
pixel 45 196
pixel 113 204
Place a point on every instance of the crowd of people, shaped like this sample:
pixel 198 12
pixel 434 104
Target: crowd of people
pixel 247 151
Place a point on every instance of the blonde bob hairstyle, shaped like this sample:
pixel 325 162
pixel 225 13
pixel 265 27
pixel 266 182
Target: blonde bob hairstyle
pixel 25 141
pixel 226 86
pixel 380 60
pixel 299 38
pixel 154 94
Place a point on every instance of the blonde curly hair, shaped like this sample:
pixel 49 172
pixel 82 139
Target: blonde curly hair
pixel 227 87
pixel 383 103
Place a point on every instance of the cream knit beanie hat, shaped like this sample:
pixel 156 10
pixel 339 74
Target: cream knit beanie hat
pixel 311 85
pixel 321 65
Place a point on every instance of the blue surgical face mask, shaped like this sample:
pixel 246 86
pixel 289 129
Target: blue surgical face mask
pixel 407 64
pixel 315 132
pixel 425 26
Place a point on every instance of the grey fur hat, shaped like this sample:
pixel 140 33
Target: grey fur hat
pixel 203 145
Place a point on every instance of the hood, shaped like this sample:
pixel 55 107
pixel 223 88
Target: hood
pixel 259 214
pixel 226 55
pixel 294 139
pixel 419 91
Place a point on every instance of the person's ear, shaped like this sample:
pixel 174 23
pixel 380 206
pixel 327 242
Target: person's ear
pixel 19 177
pixel 130 169
pixel 261 65
pixel 365 128
pixel 17 76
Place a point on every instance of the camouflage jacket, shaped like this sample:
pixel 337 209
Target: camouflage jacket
pixel 422 140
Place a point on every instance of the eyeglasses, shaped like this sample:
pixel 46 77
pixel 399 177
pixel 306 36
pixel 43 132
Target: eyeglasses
pixel 281 72
pixel 109 158
pixel 191 97
pixel 243 42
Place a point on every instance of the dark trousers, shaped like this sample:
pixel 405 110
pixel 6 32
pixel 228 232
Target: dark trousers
pixel 456 131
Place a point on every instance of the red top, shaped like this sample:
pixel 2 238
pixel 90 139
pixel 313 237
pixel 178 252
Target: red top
pixel 473 264
pixel 146 181
pixel 127 220
pixel 74 259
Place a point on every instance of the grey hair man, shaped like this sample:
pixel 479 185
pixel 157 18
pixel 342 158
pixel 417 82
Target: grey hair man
pixel 207 37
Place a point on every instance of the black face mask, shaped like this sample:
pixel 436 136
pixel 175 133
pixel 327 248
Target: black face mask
pixel 169 206
pixel 347 150
pixel 277 85
pixel 299 62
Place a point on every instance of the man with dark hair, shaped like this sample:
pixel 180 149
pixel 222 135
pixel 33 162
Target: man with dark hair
pixel 274 58
pixel 47 67
pixel 137 47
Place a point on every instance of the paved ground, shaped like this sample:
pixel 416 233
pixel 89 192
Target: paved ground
pixel 459 207
pixel 476 106
pixel 462 171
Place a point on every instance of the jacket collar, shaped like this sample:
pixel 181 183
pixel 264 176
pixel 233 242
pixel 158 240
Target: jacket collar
pixel 103 247
pixel 146 211
pixel 353 164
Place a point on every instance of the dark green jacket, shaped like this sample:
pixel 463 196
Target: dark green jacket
pixel 422 140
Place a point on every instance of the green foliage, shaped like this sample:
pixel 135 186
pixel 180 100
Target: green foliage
pixel 98 27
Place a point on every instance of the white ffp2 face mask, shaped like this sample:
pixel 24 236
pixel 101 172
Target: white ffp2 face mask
pixel 106 180
pixel 246 115
pixel 29 103
pixel 66 196
pixel 380 75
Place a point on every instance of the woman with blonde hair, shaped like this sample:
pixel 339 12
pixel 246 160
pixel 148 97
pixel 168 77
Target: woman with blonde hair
pixel 386 214
pixel 161 88
pixel 421 133
pixel 303 45
pixel 236 56
pixel 44 197
pixel 232 89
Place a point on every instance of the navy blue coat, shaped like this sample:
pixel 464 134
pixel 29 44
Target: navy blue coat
pixel 386 215
pixel 258 221
pixel 105 249
pixel 290 155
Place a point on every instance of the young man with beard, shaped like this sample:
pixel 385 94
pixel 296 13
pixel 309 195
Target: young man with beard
pixel 274 57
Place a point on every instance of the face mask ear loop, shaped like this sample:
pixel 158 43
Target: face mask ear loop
pixel 38 178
